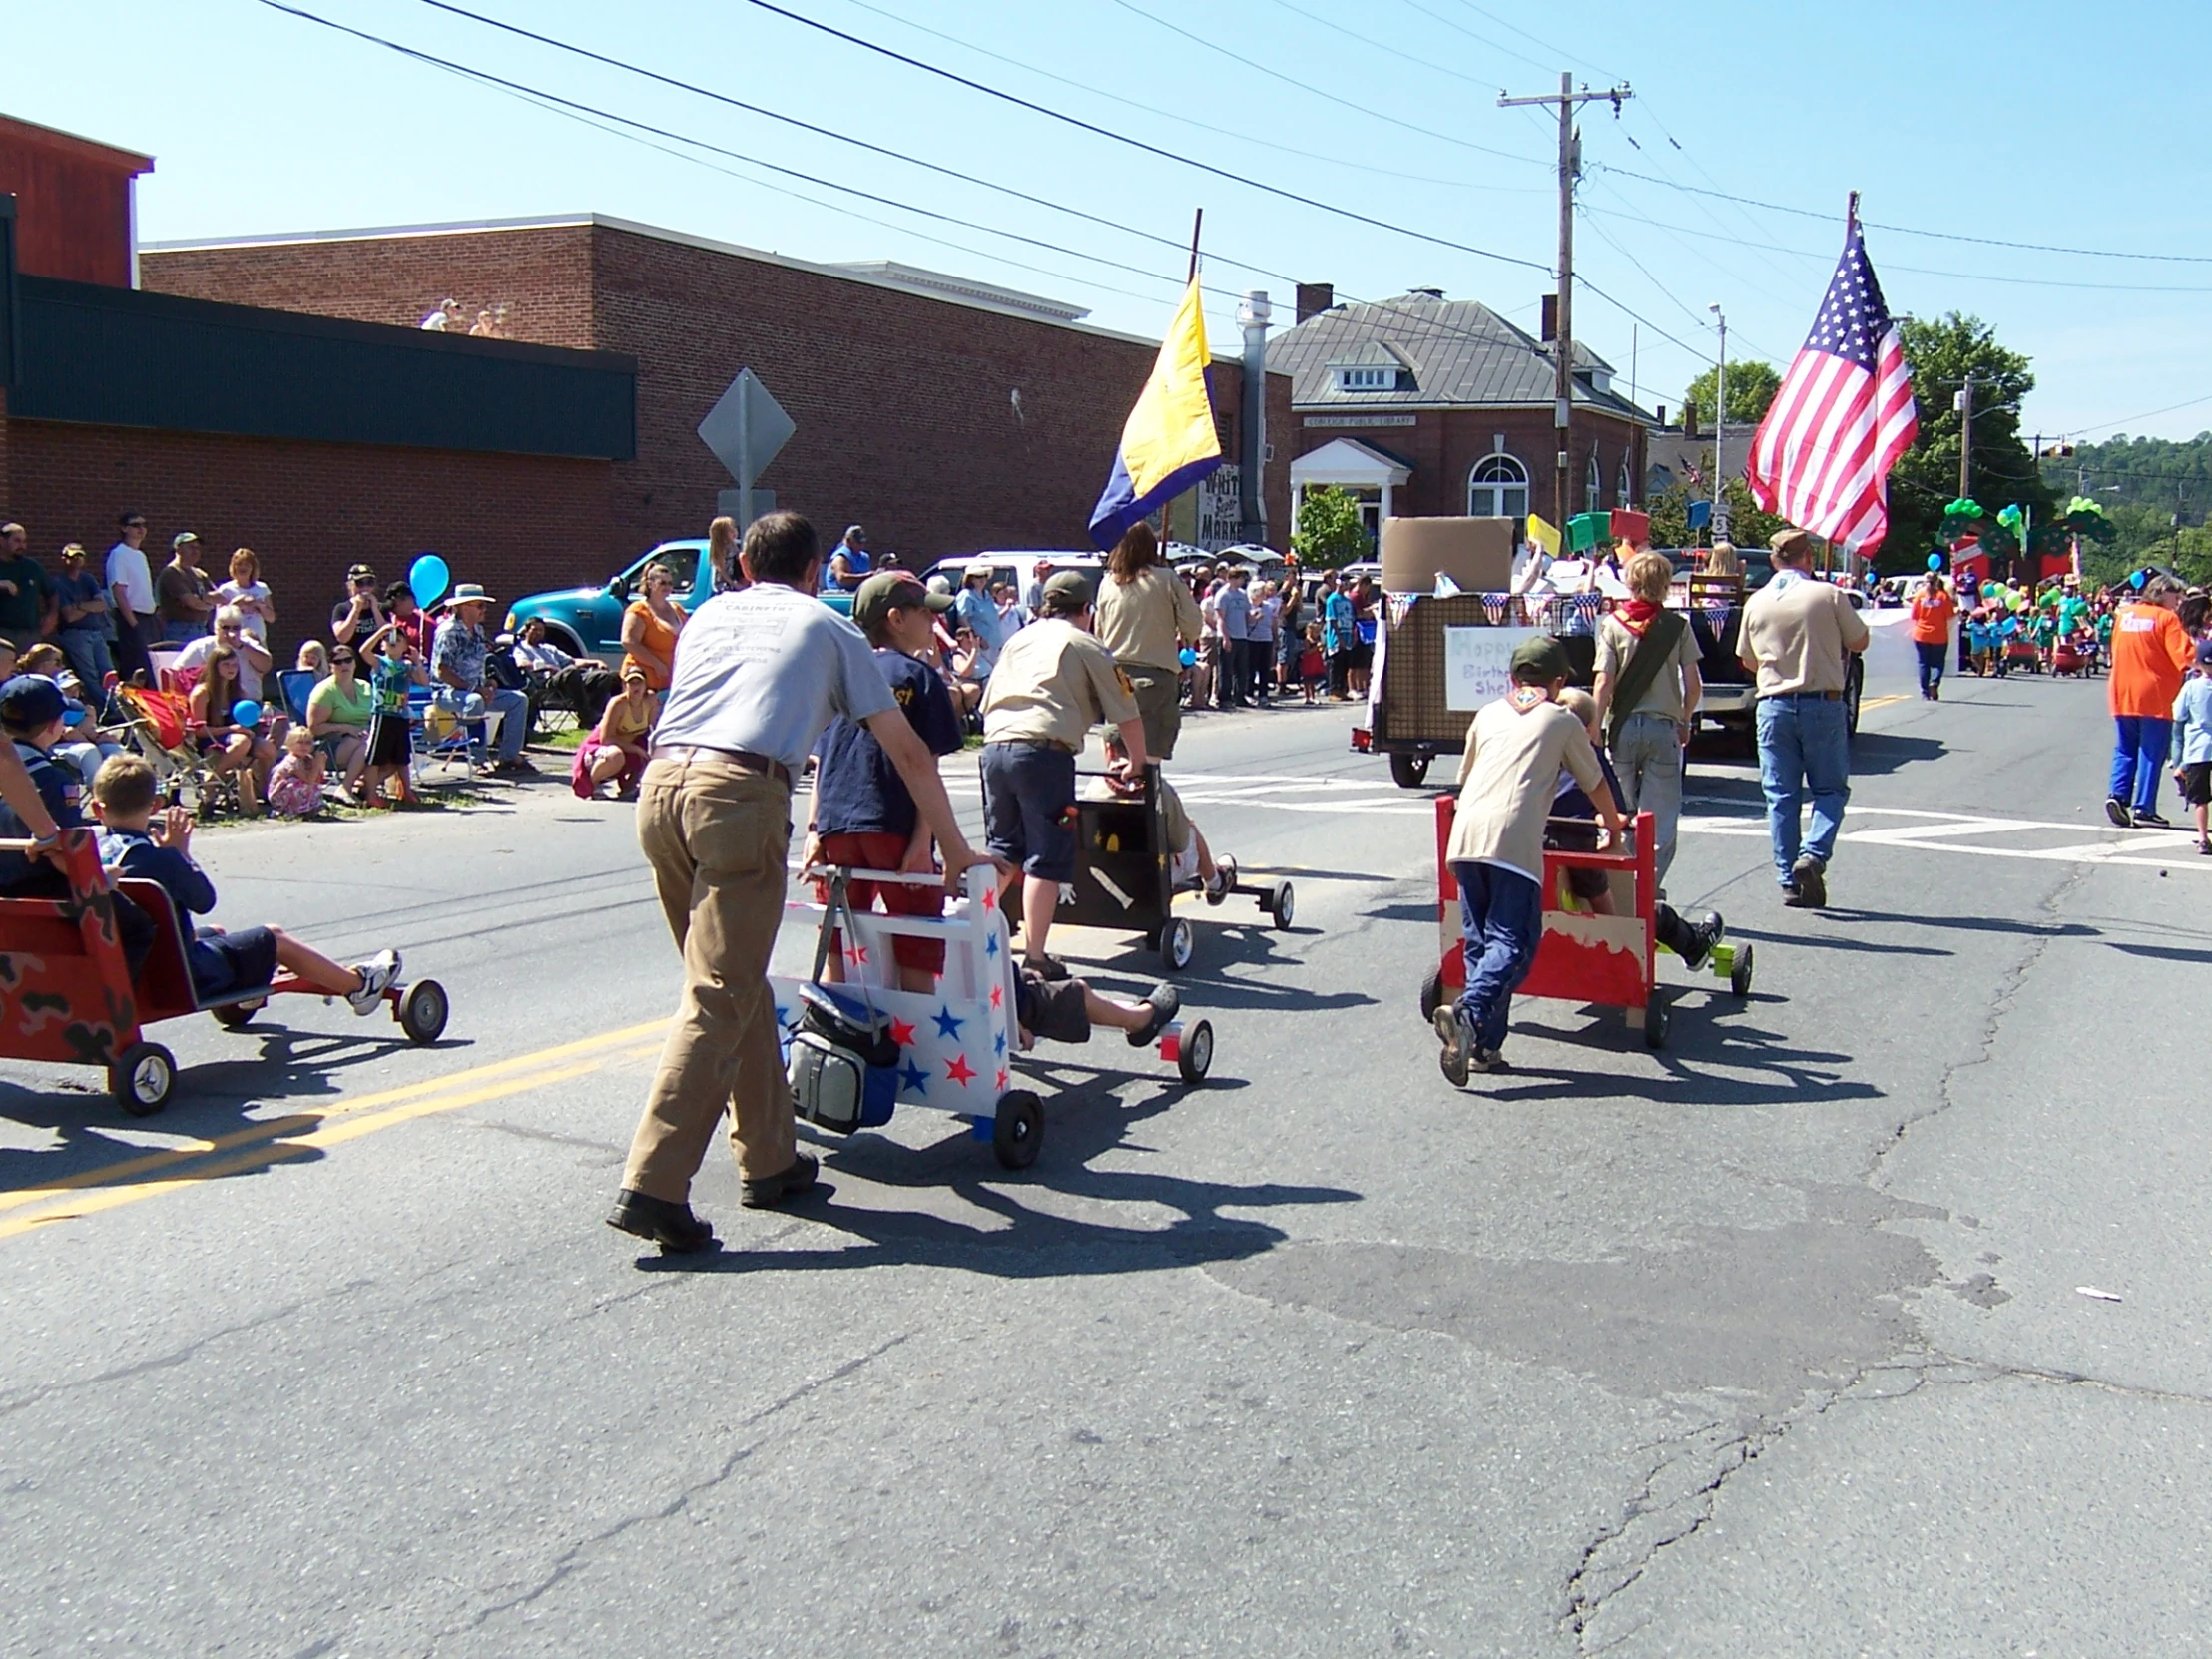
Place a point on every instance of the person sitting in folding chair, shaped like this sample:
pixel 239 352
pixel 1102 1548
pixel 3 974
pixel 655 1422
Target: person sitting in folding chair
pixel 457 670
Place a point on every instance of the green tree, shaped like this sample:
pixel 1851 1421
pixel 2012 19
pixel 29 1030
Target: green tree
pixel 1329 530
pixel 1751 387
pixel 1941 354
pixel 1747 525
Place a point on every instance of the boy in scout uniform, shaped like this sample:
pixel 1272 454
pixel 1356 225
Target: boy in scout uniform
pixel 1053 683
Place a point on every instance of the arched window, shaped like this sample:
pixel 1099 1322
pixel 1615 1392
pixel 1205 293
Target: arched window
pixel 1497 488
pixel 1593 486
pixel 1625 490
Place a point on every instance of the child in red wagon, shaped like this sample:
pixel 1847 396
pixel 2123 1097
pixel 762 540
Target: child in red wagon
pixel 133 843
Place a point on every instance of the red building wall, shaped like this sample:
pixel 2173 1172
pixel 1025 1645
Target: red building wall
pixel 73 203
pixel 1444 447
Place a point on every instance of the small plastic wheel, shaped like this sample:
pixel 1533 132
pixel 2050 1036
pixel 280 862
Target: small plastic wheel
pixel 141 1077
pixel 1177 943
pixel 1017 1131
pixel 1408 771
pixel 1225 871
pixel 1195 1057
pixel 422 1011
pixel 1657 1016
pixel 235 1017
pixel 1739 975
pixel 1431 994
pixel 1283 907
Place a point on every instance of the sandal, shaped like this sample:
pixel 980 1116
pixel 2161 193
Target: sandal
pixel 1164 1001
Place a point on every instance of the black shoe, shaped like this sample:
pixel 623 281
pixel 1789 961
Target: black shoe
pixel 2205 848
pixel 1165 1001
pixel 1048 969
pixel 2116 809
pixel 771 1190
pixel 1457 1056
pixel 2145 818
pixel 1792 899
pixel 1811 881
pixel 670 1226
pixel 1935 693
pixel 1700 939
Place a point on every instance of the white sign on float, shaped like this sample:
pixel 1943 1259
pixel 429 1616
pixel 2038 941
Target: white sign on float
pixel 1478 665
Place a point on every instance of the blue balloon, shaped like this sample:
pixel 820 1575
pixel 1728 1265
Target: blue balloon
pixel 246 712
pixel 430 579
pixel 1935 561
pixel 1187 657
pixel 2136 578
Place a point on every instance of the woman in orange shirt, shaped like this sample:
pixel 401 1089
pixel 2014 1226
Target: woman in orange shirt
pixel 650 627
pixel 1933 610
pixel 2151 656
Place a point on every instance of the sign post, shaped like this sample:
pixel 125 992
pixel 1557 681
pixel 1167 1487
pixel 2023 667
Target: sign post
pixel 747 428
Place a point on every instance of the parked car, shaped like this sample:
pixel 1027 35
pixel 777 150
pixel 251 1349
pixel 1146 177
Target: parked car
pixel 587 622
pixel 1018 568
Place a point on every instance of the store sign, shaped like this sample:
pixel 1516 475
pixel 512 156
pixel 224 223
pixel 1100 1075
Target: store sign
pixel 1478 665
pixel 1220 509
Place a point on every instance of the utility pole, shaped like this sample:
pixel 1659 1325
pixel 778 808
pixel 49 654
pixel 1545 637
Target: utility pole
pixel 1570 165
pixel 1963 403
pixel 1720 431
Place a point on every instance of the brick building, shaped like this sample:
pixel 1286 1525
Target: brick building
pixel 1430 407
pixel 945 415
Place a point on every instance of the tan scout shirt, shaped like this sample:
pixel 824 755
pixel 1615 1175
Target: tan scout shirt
pixel 1798 635
pixel 1146 622
pixel 1054 682
pixel 1508 777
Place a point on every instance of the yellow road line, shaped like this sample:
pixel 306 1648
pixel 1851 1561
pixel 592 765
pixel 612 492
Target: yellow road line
pixel 1877 702
pixel 305 1128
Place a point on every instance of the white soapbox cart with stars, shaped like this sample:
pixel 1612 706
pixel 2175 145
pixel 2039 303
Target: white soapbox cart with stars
pixel 956 1047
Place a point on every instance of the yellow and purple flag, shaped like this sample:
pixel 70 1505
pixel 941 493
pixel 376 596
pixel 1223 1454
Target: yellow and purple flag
pixel 1168 443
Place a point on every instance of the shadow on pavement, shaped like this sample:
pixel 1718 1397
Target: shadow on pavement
pixel 1971 925
pixel 1205 986
pixel 1822 941
pixel 2162 952
pixel 1701 1038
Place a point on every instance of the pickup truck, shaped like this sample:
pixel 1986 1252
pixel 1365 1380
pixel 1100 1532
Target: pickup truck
pixel 587 622
pixel 1729 690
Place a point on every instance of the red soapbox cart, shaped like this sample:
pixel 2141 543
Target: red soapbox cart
pixel 66 994
pixel 1584 957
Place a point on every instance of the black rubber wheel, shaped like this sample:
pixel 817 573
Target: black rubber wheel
pixel 1195 1057
pixel 235 1017
pixel 1408 771
pixel 141 1077
pixel 1284 906
pixel 1431 994
pixel 1017 1133
pixel 1657 1017
pixel 1225 872
pixel 422 1011
pixel 1739 975
pixel 1855 688
pixel 1177 943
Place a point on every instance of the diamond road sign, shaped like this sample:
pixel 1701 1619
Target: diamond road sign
pixel 745 428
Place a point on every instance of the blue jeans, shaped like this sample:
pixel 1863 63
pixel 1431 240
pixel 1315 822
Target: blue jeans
pixel 188 628
pixel 1932 662
pixel 2139 748
pixel 89 657
pixel 514 724
pixel 1804 752
pixel 1501 917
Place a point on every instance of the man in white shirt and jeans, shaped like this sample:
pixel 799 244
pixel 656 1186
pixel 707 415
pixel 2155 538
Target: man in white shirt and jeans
pixel 759 674
pixel 131 588
pixel 1234 606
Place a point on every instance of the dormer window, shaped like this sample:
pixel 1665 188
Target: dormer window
pixel 1366 380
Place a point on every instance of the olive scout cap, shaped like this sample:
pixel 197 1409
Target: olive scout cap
pixel 1543 655
pixel 880 595
pixel 1068 587
pixel 1791 544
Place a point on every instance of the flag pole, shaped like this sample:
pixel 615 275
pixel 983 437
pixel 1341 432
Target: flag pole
pixel 1197 218
pixel 1851 210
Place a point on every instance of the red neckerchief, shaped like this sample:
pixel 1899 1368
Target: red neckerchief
pixel 1526 697
pixel 1636 615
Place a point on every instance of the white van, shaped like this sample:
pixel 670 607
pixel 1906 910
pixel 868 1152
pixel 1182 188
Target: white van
pixel 1019 568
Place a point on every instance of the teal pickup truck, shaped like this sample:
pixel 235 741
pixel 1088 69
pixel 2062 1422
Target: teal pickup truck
pixel 587 622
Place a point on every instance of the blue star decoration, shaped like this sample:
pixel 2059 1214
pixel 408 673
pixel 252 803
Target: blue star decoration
pixel 990 944
pixel 998 1044
pixel 947 1025
pixel 911 1077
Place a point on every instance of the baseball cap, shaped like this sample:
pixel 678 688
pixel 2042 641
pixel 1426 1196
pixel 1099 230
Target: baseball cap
pixel 360 573
pixel 181 537
pixel 880 595
pixel 2204 652
pixel 1067 584
pixel 1543 655
pixel 29 701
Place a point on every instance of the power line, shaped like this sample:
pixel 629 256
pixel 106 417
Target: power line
pixel 1484 40
pixel 1379 46
pixel 2106 425
pixel 1559 53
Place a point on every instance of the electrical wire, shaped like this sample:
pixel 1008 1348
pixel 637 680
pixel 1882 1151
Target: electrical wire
pixel 1493 45
pixel 1379 46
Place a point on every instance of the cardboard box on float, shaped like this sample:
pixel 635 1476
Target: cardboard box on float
pixel 1476 553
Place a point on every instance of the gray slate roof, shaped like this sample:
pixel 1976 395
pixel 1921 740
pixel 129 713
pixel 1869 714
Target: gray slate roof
pixel 1459 350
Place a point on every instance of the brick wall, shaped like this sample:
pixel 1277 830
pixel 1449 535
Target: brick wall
pixel 310 510
pixel 1444 445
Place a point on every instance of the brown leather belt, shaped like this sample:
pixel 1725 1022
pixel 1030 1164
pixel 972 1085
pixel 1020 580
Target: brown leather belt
pixel 767 765
pixel 1802 697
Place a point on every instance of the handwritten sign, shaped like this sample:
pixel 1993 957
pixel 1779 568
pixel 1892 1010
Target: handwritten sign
pixel 1479 663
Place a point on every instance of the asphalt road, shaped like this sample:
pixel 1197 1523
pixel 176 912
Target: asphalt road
pixel 1771 1342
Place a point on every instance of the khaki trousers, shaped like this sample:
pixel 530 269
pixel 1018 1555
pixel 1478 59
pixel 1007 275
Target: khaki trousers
pixel 1159 694
pixel 716 837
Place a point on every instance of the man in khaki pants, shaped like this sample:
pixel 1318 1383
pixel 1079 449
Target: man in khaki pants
pixel 757 676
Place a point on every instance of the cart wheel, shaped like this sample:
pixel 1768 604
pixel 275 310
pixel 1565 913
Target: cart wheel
pixel 235 1016
pixel 1657 1016
pixel 422 1011
pixel 1225 873
pixel 1408 771
pixel 141 1077
pixel 1194 1057
pixel 1283 907
pixel 1017 1133
pixel 1176 945
pixel 1431 994
pixel 1739 975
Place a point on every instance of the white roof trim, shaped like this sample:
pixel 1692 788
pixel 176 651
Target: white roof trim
pixel 1348 461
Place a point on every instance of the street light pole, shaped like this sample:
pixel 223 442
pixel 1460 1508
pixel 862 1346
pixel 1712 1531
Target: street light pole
pixel 1720 431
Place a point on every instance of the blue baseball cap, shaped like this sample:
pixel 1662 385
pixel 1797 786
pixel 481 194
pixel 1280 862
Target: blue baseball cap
pixel 29 701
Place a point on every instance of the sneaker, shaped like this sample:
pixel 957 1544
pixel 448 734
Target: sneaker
pixel 2145 818
pixel 377 976
pixel 1490 1060
pixel 1812 880
pixel 1457 1057
pixel 1703 935
pixel 1164 1002
pixel 2205 848
pixel 2116 809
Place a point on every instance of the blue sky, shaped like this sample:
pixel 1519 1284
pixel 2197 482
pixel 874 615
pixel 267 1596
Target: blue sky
pixel 2014 122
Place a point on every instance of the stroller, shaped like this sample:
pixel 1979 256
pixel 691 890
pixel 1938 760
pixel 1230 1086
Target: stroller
pixel 157 727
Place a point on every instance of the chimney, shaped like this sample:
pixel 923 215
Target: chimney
pixel 1550 329
pixel 1315 298
pixel 1689 418
pixel 1661 413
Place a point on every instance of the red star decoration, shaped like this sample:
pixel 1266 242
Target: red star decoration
pixel 959 1070
pixel 903 1032
pixel 990 898
pixel 1001 1079
pixel 998 996
pixel 858 956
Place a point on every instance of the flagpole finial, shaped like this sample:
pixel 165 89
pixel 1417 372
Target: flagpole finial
pixel 1851 212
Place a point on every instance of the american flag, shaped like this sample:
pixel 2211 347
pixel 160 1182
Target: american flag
pixel 1845 413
